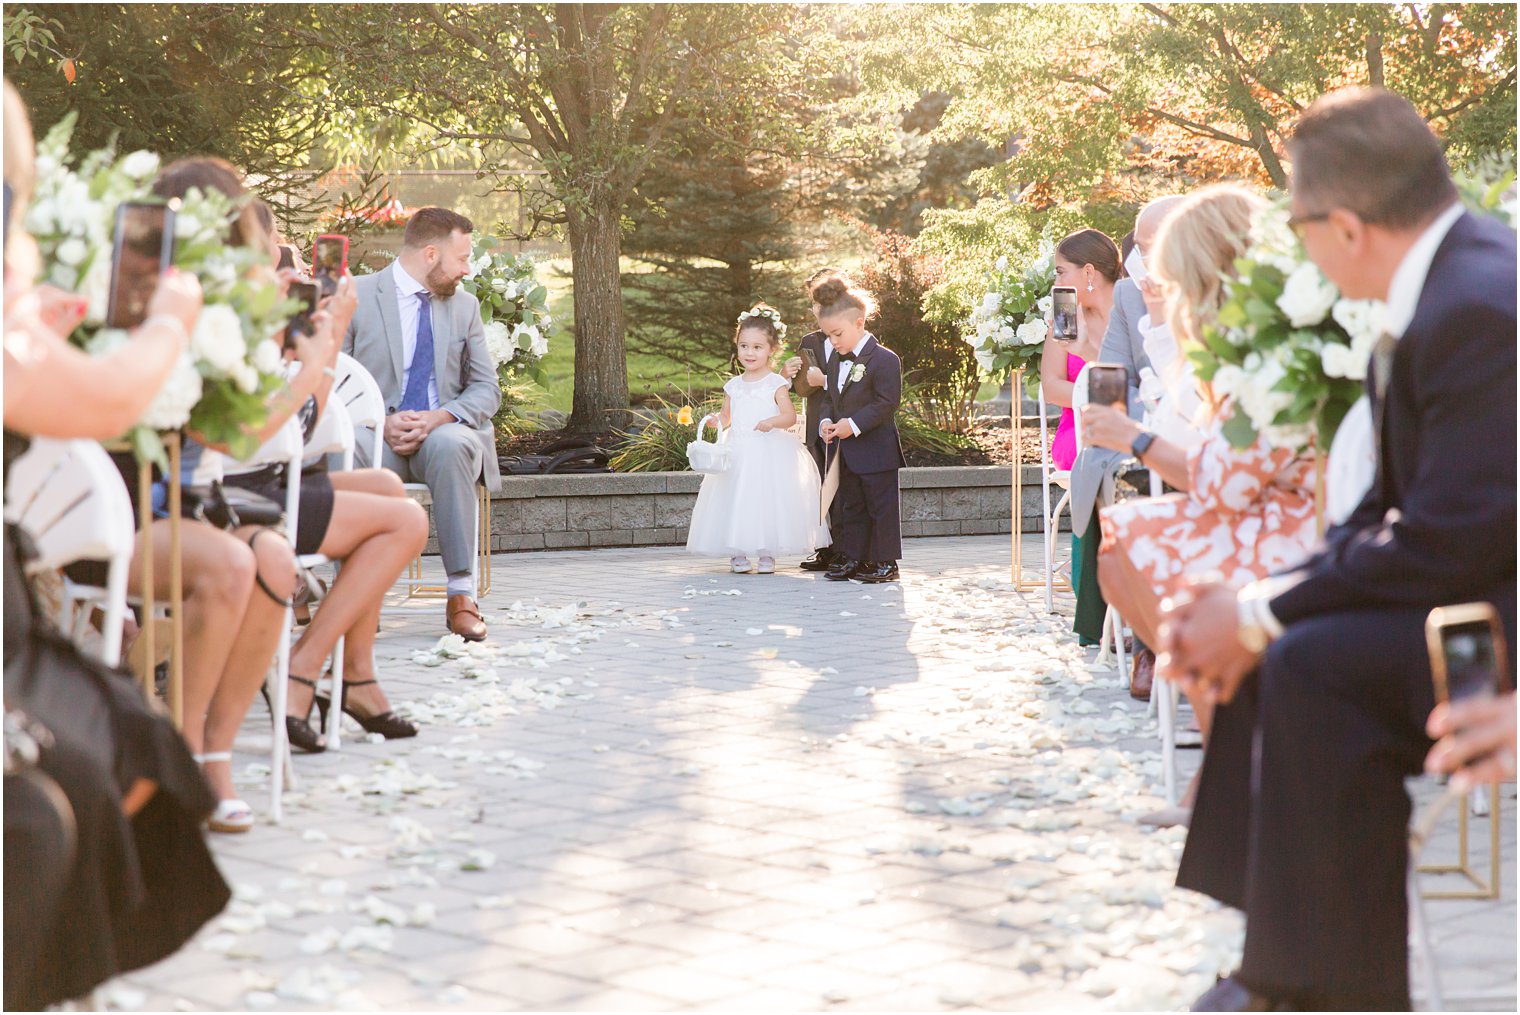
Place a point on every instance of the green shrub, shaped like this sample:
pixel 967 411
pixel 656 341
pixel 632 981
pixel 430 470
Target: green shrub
pixel 660 444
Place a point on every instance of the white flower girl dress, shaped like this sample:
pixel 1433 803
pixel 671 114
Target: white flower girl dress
pixel 767 502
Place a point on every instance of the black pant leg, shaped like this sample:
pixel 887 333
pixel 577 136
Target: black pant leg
pixel 1219 835
pixel 884 504
pixel 1342 706
pixel 849 516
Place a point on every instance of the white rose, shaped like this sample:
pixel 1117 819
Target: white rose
pixel 1032 332
pixel 540 345
pixel 1342 361
pixel 217 340
pixel 525 336
pixel 478 264
pixel 1006 336
pixel 72 251
pixel 499 285
pixel 513 289
pixel 1045 304
pixel 985 329
pixel 1257 399
pixel 171 407
pixel 991 303
pixel 267 358
pixel 1307 296
pixel 140 165
pixel 74 210
pixel 1362 319
pixel 984 358
pixel 1002 264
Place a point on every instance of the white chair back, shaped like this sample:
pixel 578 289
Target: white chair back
pixel 69 497
pixel 360 395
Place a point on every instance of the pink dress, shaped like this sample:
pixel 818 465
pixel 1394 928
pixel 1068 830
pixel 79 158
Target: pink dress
pixel 1063 450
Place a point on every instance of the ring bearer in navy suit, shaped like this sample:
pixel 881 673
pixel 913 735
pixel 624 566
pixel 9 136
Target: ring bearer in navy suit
pixel 811 383
pixel 860 431
pixel 1302 815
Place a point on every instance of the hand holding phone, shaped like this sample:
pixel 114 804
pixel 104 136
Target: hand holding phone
pixel 329 261
pixel 142 250
pixel 178 295
pixel 301 323
pixel 1063 313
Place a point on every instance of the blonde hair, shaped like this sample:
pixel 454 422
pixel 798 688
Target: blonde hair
pixel 1196 246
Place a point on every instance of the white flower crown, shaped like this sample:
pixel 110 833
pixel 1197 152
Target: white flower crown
pixel 769 314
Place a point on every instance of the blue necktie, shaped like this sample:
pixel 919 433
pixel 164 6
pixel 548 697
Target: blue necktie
pixel 420 374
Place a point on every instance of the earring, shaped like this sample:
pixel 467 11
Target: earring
pixel 1089 283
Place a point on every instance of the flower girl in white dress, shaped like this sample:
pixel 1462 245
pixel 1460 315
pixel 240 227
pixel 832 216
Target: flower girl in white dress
pixel 767 502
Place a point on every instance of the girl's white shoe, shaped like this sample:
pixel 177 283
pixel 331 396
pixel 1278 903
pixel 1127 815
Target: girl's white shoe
pixel 230 815
pixel 740 565
pixel 767 566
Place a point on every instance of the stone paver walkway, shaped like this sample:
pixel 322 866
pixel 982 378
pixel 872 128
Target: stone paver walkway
pixel 662 786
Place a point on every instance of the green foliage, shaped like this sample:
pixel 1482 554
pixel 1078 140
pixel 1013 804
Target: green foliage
pixel 28 35
pixel 919 431
pixel 659 445
pixel 943 372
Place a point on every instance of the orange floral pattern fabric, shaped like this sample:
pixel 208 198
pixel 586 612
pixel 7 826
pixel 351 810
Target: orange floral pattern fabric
pixel 1250 513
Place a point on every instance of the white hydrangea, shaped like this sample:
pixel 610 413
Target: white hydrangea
pixel 246 378
pixel 95 287
pixel 1342 361
pixel 1255 396
pixel 140 165
pixel 1362 319
pixel 170 408
pixel 1007 337
pixel 1032 332
pixel 1307 296
pixel 500 343
pixel 217 340
pixel 73 251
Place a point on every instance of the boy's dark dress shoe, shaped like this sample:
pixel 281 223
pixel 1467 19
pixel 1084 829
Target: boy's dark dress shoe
pixel 844 569
pixel 820 561
pixel 877 572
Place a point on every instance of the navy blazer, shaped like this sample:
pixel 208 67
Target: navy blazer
pixel 1438 525
pixel 871 403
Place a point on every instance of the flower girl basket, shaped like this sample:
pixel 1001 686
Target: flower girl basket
pixel 708 456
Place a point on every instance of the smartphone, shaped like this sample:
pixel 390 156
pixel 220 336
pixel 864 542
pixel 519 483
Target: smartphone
pixel 1134 264
pixel 1108 384
pixel 1064 310
pixel 1468 658
pixel 809 361
pixel 300 321
pixel 329 261
pixel 142 250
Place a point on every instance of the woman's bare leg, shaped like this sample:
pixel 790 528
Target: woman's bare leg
pixel 374 536
pixel 1128 591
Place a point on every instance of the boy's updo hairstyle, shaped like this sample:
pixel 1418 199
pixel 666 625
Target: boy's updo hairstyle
pixel 838 295
pixel 1089 246
pixel 820 275
pixel 762 317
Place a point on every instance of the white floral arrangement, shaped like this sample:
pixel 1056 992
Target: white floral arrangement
pixel 1286 349
pixel 221 384
pixel 1008 325
pixel 769 313
pixel 514 308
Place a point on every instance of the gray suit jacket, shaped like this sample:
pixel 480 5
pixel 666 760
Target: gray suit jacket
pixel 462 368
pixel 1122 343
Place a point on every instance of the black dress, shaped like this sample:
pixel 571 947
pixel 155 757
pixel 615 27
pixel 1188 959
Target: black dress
pixel 132 891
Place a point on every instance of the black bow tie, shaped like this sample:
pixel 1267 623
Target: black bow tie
pixel 848 357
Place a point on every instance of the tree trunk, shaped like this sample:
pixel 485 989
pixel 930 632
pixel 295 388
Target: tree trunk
pixel 601 367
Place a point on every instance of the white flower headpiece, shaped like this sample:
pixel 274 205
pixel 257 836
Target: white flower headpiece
pixel 769 314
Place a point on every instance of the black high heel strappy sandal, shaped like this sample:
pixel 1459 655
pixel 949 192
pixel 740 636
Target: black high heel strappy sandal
pixel 388 724
pixel 298 729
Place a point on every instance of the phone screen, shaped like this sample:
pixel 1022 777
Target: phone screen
pixel 329 260
pixel 1472 665
pixel 1108 384
pixel 809 360
pixel 1064 310
pixel 142 251
pixel 300 321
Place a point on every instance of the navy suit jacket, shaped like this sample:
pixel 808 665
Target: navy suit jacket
pixel 871 403
pixel 1438 525
pixel 818 404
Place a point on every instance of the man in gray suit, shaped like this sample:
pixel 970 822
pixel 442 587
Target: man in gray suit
pixel 422 340
pixel 1122 343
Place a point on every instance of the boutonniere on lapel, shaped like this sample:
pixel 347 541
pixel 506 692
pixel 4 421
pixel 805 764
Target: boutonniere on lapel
pixel 857 372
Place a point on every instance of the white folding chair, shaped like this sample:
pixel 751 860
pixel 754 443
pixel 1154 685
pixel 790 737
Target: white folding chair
pixel 69 497
pixel 334 434
pixel 361 398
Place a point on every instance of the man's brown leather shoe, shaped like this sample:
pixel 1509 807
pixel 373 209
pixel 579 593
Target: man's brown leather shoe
pixel 1142 673
pixel 464 618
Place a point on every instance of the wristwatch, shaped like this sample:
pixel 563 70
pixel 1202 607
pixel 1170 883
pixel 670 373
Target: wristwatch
pixel 1248 629
pixel 1142 444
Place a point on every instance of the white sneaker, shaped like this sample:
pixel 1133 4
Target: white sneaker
pixel 740 565
pixel 767 566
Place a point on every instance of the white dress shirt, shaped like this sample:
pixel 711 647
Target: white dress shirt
pixel 845 366
pixel 407 289
pixel 1404 290
pixel 1175 415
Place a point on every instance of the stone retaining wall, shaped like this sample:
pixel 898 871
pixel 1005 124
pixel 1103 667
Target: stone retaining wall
pixel 654 509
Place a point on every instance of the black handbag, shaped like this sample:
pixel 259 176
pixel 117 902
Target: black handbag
pixel 229 507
